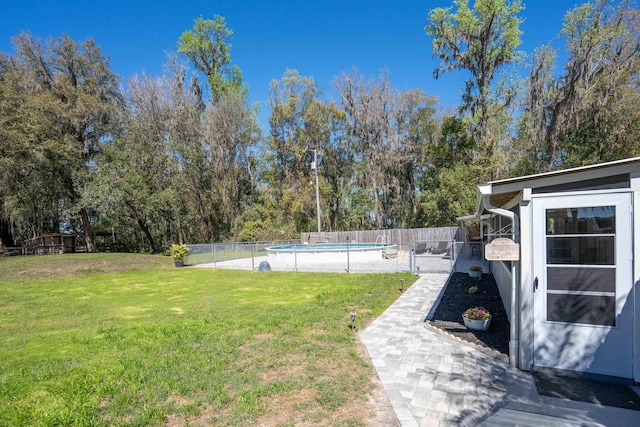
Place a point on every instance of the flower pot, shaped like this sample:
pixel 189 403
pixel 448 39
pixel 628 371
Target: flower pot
pixel 477 325
pixel 178 262
pixel 475 274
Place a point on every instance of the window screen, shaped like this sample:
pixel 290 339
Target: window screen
pixel 581 271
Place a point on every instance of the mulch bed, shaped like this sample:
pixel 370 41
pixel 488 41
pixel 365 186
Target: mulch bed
pixel 457 299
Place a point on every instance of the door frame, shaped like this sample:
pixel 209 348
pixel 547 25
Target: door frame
pixel 624 277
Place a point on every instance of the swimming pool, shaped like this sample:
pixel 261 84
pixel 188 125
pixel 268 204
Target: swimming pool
pixel 329 252
pixel 329 247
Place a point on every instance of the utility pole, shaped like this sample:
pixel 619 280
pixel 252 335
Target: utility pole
pixel 314 168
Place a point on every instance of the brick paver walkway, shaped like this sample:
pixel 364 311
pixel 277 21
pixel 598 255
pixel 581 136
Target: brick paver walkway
pixel 434 380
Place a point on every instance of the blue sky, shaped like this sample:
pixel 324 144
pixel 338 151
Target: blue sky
pixel 320 38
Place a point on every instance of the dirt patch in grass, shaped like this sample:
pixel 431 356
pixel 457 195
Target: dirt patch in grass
pixel 302 408
pixel 379 410
pixel 282 372
pixel 263 336
pixel 290 407
pixel 201 420
pixel 457 299
pixel 307 406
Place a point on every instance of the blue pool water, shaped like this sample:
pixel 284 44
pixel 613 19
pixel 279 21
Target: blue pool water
pixel 328 247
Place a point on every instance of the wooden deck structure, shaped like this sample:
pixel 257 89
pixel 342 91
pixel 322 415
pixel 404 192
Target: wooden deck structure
pixel 60 243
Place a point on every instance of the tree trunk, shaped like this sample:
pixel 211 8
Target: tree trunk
pixel 88 231
pixel 6 237
pixel 145 229
pixel 377 209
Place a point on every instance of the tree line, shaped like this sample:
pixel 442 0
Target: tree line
pixel 180 157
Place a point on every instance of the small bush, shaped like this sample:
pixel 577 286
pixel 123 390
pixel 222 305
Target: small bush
pixel 179 252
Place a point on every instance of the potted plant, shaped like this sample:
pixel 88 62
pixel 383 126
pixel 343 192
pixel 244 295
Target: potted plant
pixel 179 253
pixel 477 318
pixel 475 271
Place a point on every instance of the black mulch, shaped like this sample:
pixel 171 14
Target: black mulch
pixel 448 318
pixel 607 394
pixel 457 299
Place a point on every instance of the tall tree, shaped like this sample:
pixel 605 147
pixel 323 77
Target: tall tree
pixel 207 46
pixel 416 127
pixel 368 107
pixel 448 187
pixel 231 133
pixel 230 130
pixel 72 99
pixel 537 108
pixel 600 89
pixel 186 144
pixel 389 130
pixel 289 197
pixel 588 114
pixel 479 40
pixel 326 129
pixel 30 192
pixel 136 186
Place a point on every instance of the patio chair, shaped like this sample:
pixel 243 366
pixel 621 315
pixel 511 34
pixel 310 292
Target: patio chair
pixel 421 248
pixel 390 252
pixel 442 248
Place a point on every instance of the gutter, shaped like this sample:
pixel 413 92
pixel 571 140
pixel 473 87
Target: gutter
pixel 514 344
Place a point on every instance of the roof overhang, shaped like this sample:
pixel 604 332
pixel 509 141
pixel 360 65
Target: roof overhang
pixel 566 175
pixel 506 193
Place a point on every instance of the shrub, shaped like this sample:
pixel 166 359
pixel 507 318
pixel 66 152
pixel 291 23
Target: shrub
pixel 179 252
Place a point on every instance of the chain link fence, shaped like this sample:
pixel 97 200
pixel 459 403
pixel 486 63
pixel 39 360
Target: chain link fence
pixel 234 255
pixel 435 256
pixel 420 257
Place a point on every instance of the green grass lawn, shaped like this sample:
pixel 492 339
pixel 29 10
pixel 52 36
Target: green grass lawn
pixel 117 339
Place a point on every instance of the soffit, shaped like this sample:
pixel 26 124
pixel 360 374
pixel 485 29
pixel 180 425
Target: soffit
pixel 500 200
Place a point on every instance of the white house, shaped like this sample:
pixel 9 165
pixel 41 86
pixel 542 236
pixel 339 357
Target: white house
pixel 571 289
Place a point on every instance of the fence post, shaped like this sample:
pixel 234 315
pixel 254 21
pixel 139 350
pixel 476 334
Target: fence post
pixel 412 259
pixel 398 251
pixel 253 262
pixel 348 263
pixel 214 255
pixel 453 254
pixel 295 259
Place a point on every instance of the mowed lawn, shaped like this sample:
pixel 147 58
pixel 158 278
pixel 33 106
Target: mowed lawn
pixel 122 339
